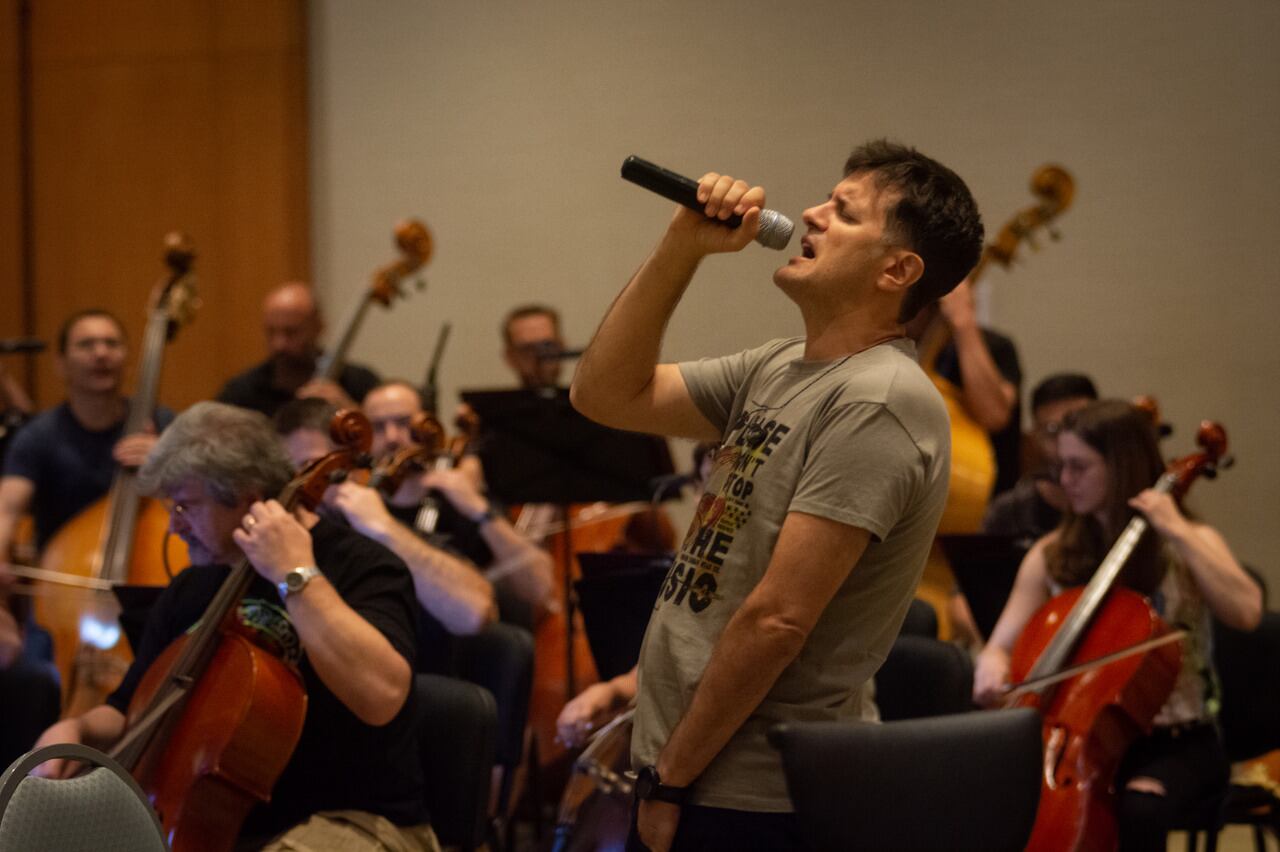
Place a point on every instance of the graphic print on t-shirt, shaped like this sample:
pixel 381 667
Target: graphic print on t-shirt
pixel 724 508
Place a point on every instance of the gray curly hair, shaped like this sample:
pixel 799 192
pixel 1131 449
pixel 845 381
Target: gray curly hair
pixel 233 451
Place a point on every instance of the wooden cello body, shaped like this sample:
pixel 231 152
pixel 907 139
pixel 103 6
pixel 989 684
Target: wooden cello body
pixel 225 756
pixel 1091 718
pixel 121 538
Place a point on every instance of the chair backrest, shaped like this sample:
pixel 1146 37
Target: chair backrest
pixel 1249 669
pixel 100 811
pixel 500 658
pixel 970 781
pixel 921 620
pixel 924 677
pixel 457 730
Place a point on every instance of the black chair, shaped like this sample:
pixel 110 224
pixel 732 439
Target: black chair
pixel 500 658
pixel 969 781
pixel 924 677
pixel 921 620
pixel 1248 666
pixel 457 731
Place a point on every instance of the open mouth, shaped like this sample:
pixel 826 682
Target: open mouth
pixel 806 249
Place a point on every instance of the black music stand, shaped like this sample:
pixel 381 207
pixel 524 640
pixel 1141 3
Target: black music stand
pixel 616 594
pixel 537 449
pixel 985 567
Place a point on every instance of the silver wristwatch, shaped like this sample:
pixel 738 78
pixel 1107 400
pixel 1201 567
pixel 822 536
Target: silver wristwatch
pixel 296 580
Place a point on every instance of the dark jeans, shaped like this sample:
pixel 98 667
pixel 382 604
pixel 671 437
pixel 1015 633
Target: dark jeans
pixel 1194 770
pixel 723 830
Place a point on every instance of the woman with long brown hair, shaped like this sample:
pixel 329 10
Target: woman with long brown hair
pixel 1109 461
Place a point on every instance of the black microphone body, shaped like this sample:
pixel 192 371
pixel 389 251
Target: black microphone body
pixel 775 229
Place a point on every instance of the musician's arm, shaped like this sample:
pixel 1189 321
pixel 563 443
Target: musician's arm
pixel 1231 594
pixel 812 558
pixel 15 497
pixel 516 559
pixel 988 396
pixel 99 728
pixel 619 381
pixel 452 590
pixel 1030 592
pixel 351 656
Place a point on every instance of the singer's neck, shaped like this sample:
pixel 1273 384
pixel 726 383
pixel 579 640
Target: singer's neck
pixel 828 337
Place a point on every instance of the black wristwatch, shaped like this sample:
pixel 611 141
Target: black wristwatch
pixel 649 786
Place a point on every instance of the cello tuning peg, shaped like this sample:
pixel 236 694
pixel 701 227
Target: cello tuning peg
pixel 1054 233
pixel 420 283
pixel 1226 462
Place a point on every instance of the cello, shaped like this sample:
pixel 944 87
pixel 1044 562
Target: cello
pixel 122 538
pixel 216 717
pixel 1123 666
pixel 973 463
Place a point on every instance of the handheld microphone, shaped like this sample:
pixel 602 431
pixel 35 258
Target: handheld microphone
pixel 775 229
pixel 12 345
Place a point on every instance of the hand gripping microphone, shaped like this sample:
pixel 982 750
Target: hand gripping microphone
pixel 775 229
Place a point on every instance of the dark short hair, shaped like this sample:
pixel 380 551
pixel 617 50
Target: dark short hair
pixel 1061 386
pixel 935 216
pixel 533 309
pixel 307 413
pixel 64 331
pixel 397 383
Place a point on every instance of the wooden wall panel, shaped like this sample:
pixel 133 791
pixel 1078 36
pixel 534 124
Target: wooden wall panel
pixel 11 321
pixel 150 116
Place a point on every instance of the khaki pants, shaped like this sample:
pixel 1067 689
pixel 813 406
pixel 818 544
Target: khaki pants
pixel 354 831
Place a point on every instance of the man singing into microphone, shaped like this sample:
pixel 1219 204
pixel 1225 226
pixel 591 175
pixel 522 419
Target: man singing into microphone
pixel 797 570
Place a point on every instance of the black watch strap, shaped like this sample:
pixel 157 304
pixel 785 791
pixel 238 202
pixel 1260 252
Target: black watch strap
pixel 649 786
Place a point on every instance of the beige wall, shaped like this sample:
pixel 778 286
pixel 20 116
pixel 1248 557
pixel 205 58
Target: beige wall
pixel 503 124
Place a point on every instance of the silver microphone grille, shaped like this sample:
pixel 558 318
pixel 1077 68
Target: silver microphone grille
pixel 775 230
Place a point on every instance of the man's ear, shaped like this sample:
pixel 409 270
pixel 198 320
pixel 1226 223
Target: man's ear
pixel 903 269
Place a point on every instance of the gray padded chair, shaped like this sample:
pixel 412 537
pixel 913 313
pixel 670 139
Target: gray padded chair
pixel 103 810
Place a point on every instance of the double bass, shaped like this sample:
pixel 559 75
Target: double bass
pixel 122 538
pixel 973 462
pixel 215 719
pixel 1099 663
pixel 414 242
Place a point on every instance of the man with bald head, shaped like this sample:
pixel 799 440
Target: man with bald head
pixel 292 324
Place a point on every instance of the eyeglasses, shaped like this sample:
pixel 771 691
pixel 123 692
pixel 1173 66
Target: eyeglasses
pixel 1075 467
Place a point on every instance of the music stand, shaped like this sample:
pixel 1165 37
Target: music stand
pixel 536 448
pixel 985 567
pixel 616 594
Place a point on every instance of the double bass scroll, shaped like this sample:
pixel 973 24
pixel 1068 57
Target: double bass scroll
pixel 415 245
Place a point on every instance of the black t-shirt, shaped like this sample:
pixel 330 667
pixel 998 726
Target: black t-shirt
pixel 69 465
pixel 1020 512
pixel 253 388
pixel 1007 443
pixel 340 762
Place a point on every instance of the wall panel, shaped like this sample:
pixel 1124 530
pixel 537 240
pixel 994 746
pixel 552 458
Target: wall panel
pixel 151 116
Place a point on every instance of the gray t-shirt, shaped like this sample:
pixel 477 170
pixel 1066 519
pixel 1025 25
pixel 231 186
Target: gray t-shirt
pixel 863 440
